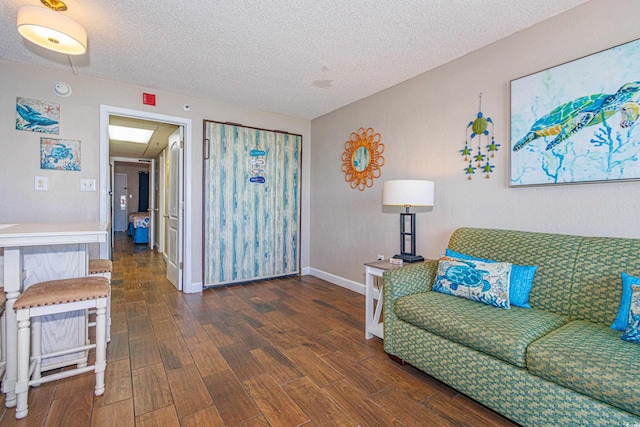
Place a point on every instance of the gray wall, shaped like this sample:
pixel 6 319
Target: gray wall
pixel 422 122
pixel 80 120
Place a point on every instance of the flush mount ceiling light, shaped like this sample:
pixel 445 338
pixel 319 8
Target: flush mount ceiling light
pixel 52 30
pixel 128 134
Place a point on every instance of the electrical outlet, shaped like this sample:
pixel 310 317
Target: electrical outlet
pixel 380 257
pixel 40 183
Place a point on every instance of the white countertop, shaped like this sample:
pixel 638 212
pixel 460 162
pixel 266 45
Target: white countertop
pixel 51 233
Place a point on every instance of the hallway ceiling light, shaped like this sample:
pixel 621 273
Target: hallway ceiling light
pixel 124 133
pixel 52 30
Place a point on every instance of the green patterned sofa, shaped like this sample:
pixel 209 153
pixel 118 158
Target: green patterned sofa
pixel 557 364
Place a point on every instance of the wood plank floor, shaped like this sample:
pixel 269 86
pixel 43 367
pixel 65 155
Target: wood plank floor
pixel 284 352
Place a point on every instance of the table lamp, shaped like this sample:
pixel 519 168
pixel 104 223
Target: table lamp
pixel 408 193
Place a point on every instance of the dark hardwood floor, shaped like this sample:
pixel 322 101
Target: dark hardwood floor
pixel 283 352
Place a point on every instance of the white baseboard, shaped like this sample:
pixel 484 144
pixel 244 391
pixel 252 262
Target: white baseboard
pixel 306 271
pixel 193 288
pixel 336 280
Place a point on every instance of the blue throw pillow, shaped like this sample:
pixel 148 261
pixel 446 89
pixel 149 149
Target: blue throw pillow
pixel 520 282
pixel 485 282
pixel 632 332
pixel 622 319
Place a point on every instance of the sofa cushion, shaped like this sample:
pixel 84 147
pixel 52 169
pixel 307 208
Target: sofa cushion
pixel 520 280
pixel 596 289
pixel 480 281
pixel 591 359
pixel 504 334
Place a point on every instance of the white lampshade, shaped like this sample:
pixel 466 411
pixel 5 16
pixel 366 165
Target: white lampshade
pixel 52 30
pixel 408 193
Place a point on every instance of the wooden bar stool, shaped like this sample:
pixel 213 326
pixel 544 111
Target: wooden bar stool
pixel 103 268
pixel 100 267
pixel 53 297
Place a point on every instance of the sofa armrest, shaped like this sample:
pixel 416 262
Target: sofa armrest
pixel 399 282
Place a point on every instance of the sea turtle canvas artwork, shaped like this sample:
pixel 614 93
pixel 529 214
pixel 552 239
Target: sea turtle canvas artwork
pixel 60 154
pixel 37 116
pixel 578 122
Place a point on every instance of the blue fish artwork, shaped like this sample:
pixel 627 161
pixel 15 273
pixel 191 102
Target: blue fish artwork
pixel 37 116
pixel 256 153
pixel 257 179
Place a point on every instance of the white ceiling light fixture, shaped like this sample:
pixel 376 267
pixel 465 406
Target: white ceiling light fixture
pixel 128 134
pixel 50 29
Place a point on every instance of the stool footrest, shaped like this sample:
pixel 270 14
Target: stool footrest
pixel 65 352
pixel 61 375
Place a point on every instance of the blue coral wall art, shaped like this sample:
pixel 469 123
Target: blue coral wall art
pixel 578 122
pixel 61 154
pixel 37 116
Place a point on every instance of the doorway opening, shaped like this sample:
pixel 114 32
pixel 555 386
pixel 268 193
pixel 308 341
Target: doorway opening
pixel 156 165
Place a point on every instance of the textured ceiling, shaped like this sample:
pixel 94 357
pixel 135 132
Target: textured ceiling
pixel 301 58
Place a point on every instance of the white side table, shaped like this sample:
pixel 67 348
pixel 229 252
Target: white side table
pixel 373 325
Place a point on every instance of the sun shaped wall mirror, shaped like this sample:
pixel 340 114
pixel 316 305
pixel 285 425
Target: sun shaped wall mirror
pixel 362 158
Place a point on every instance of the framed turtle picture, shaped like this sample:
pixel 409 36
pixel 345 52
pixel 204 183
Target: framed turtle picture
pixel 60 154
pixel 578 122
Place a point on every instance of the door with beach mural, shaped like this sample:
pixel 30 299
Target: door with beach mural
pixel 251 212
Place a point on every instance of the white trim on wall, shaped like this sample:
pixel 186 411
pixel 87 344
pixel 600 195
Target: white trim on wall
pixel 336 280
pixel 105 112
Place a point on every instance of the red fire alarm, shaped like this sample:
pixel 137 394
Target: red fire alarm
pixel 148 99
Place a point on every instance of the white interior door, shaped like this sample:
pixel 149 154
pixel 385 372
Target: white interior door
pixel 174 211
pixel 120 219
pixel 153 209
pixel 161 201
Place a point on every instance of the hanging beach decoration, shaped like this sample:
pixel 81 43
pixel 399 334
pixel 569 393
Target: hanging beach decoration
pixel 257 165
pixel 482 128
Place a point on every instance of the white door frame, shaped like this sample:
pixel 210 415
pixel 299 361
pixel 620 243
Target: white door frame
pixel 105 112
pixel 136 161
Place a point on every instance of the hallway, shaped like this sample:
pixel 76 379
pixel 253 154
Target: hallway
pixel 284 352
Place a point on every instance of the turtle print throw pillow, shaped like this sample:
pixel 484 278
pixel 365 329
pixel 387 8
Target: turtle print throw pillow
pixel 632 333
pixel 520 280
pixel 485 282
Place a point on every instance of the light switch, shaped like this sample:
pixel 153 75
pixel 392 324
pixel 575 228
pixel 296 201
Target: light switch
pixel 87 184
